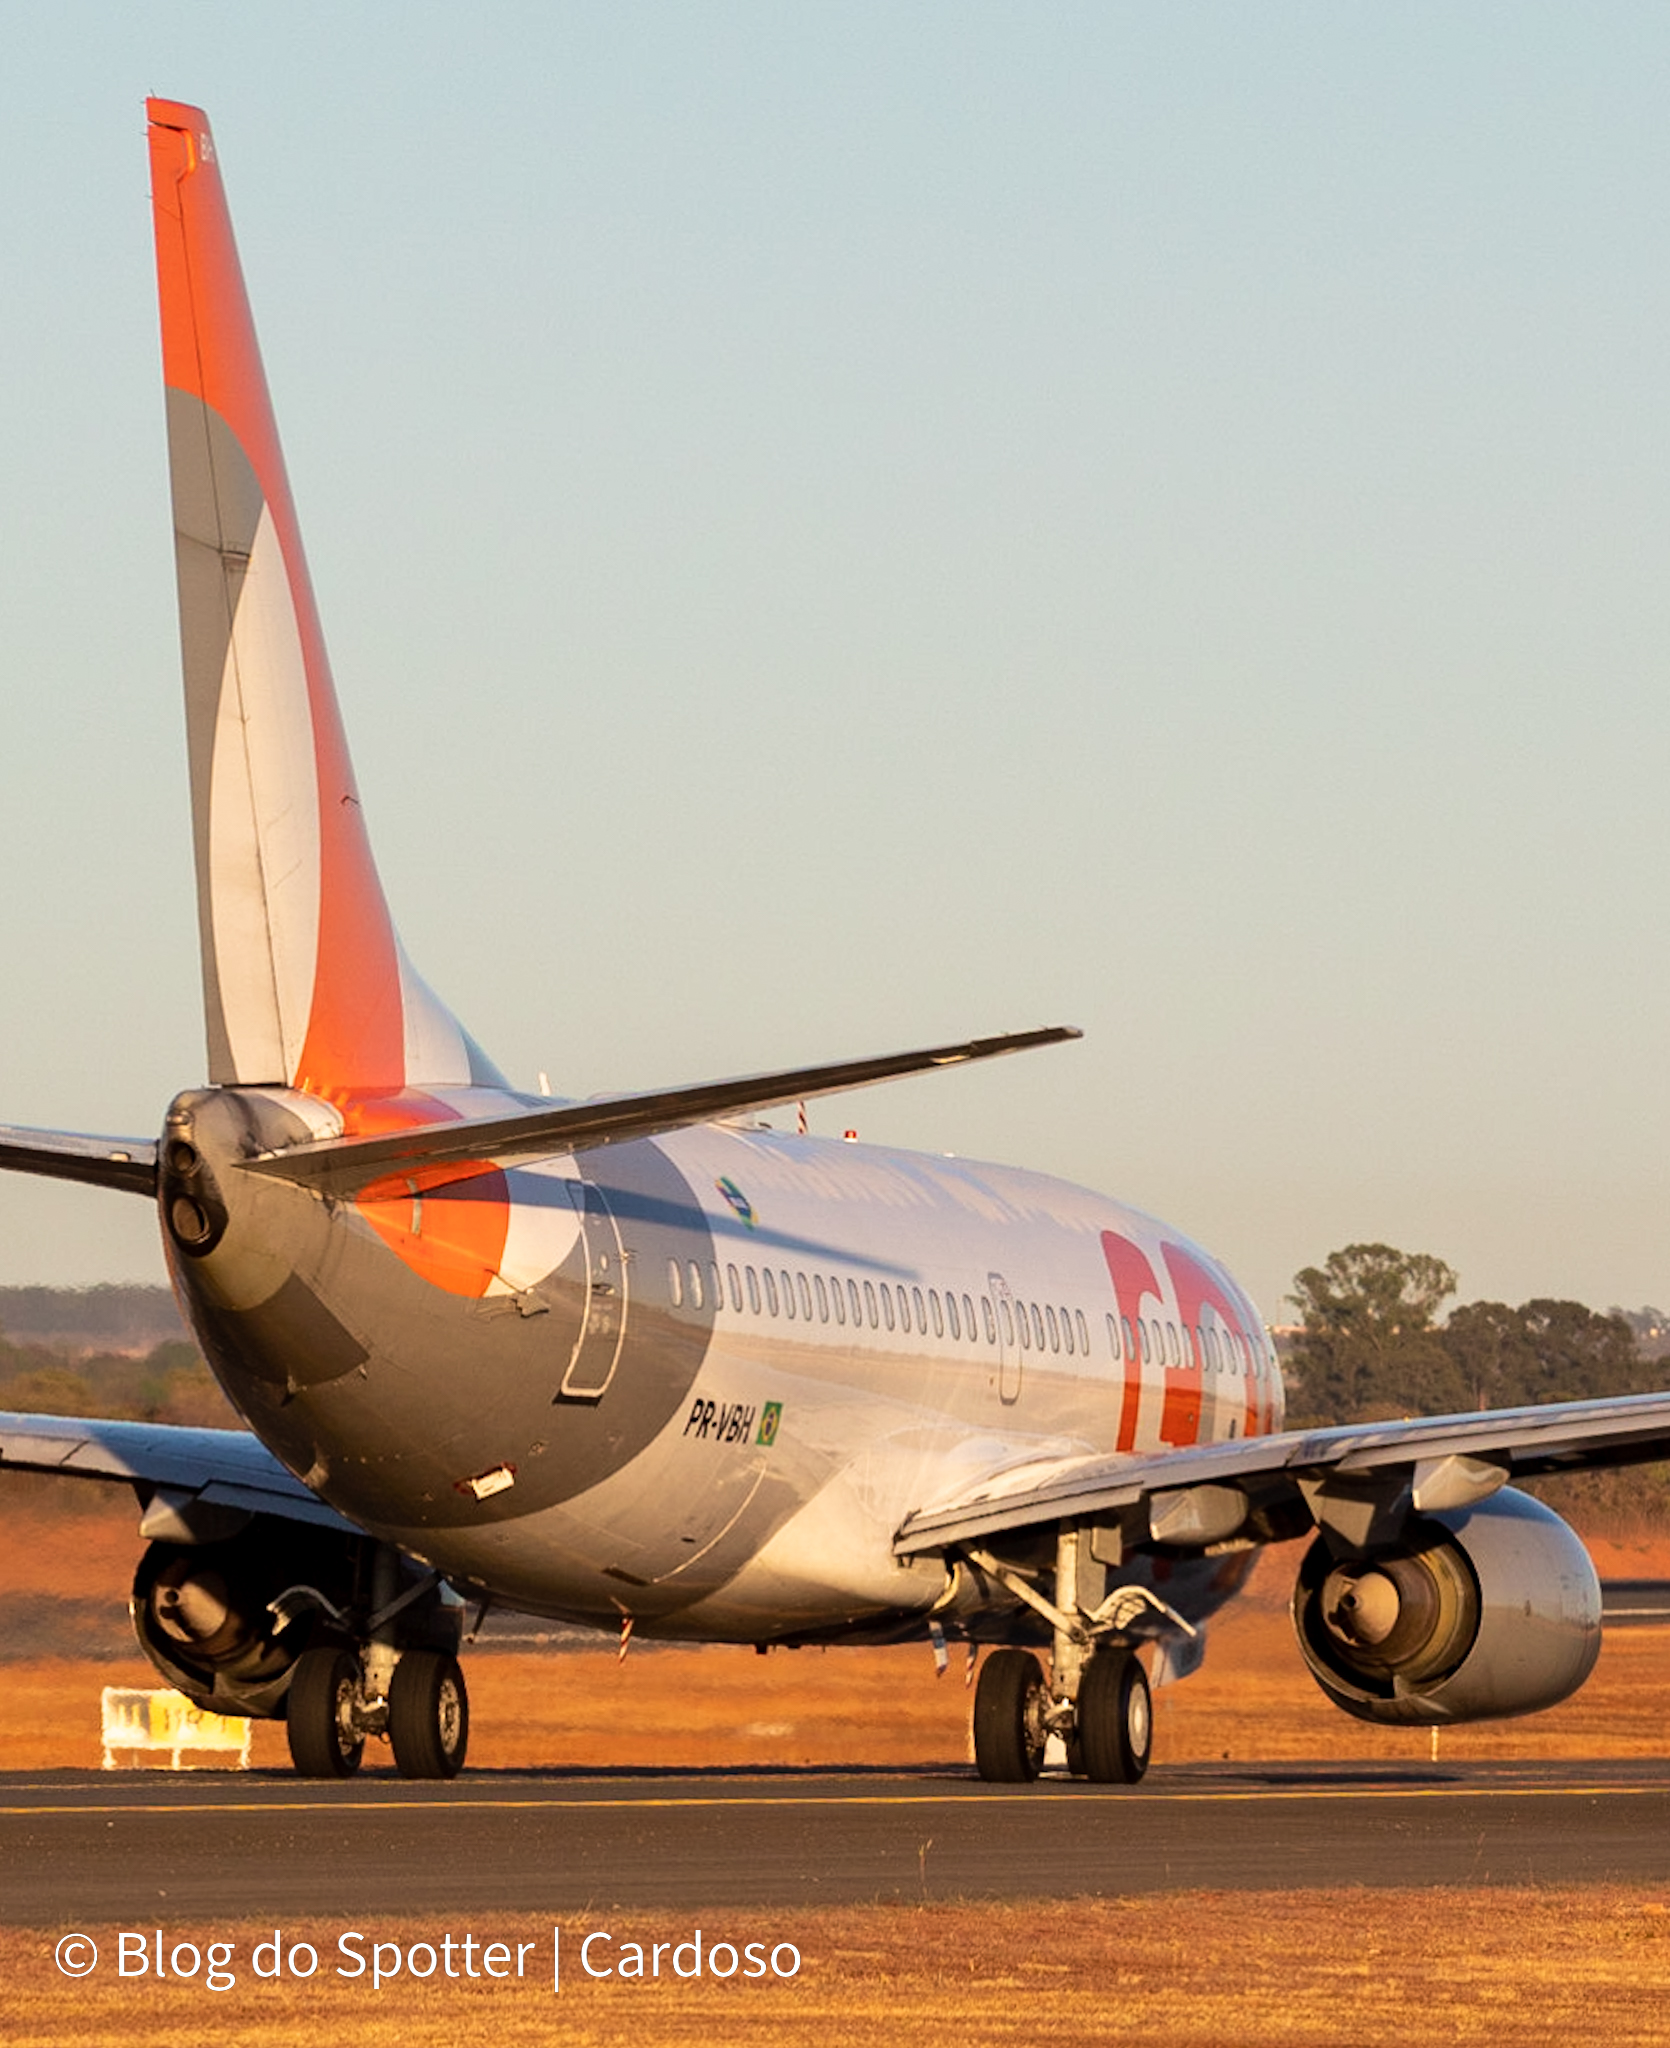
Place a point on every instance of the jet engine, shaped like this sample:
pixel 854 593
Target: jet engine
pixel 201 1613
pixel 1475 1613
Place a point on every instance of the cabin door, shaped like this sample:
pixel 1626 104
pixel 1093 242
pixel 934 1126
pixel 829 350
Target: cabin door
pixel 1008 1349
pixel 603 1320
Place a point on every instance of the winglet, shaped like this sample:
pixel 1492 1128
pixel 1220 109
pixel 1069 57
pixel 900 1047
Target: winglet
pixel 304 980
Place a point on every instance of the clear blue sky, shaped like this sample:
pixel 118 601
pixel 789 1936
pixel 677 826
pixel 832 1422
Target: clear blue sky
pixel 840 529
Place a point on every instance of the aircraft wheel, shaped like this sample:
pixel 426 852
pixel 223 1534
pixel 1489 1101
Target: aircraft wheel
pixel 1115 1718
pixel 319 1713
pixel 1009 1729
pixel 429 1715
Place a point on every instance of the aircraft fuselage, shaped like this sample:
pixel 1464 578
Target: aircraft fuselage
pixel 695 1380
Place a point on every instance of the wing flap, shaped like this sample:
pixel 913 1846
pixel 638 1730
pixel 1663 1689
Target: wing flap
pixel 1524 1443
pixel 344 1166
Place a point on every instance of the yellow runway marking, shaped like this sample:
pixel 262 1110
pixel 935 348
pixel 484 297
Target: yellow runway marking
pixel 1267 1795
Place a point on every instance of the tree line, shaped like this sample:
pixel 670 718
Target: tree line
pixel 1370 1345
pixel 168 1383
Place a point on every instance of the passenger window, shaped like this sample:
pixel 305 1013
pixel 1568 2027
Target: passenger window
pixel 904 1308
pixel 805 1293
pixel 1172 1351
pixel 753 1290
pixel 1212 1351
pixel 1055 1333
pixel 1023 1325
pixel 939 1317
pixel 986 1315
pixel 887 1303
pixel 1142 1332
pixel 1113 1334
pixel 823 1297
pixel 736 1288
pixel 695 1285
pixel 675 1283
pixel 1037 1327
pixel 871 1314
pixel 853 1301
pixel 1008 1323
pixel 921 1311
pixel 1084 1334
pixel 716 1292
pixel 951 1323
pixel 771 1290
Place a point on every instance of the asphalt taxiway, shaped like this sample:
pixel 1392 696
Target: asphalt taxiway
pixel 94 1849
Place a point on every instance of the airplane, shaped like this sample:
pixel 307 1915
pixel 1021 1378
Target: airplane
pixel 644 1363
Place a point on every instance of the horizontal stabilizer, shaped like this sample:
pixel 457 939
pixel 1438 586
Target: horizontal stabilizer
pixel 343 1166
pixel 126 1163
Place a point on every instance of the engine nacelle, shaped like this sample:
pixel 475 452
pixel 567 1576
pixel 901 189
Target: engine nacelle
pixel 1478 1613
pixel 201 1615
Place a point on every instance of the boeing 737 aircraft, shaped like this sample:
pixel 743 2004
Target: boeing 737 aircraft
pixel 646 1364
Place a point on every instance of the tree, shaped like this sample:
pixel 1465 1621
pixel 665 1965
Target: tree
pixel 1543 1351
pixel 1368 1348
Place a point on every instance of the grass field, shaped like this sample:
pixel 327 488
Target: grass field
pixel 1399 1969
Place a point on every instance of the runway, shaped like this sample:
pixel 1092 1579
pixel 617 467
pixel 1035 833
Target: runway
pixel 90 1849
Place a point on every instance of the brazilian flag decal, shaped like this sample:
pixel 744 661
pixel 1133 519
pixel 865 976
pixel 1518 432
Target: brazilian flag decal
pixel 769 1419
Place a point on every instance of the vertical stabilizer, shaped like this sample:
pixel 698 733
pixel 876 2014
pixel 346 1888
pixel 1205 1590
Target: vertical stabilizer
pixel 304 980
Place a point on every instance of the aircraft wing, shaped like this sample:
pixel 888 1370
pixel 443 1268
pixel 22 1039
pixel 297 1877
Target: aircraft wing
pixel 218 1467
pixel 344 1166
pixel 1344 1477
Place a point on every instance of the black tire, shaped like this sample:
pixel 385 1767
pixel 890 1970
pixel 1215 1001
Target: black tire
pixel 1009 1732
pixel 429 1715
pixel 1115 1719
pixel 319 1711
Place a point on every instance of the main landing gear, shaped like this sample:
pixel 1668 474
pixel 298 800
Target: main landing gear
pixel 1108 1730
pixel 425 1715
pixel 344 1691
pixel 1096 1695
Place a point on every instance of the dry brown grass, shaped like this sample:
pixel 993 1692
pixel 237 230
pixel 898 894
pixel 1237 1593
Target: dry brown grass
pixel 1191 1970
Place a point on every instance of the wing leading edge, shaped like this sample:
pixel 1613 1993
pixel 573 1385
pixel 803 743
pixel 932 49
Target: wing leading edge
pixel 224 1468
pixel 1351 1479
